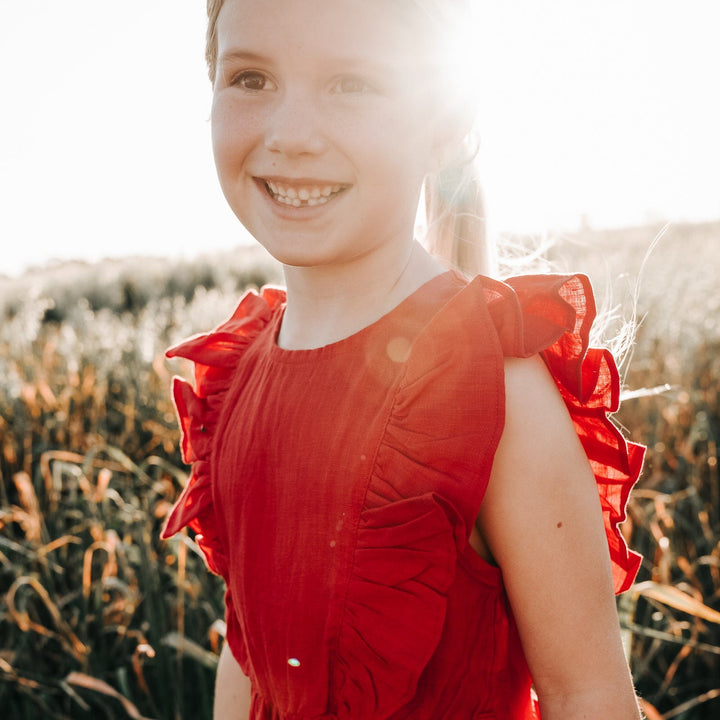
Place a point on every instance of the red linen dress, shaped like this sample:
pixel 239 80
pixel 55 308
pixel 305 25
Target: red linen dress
pixel 334 490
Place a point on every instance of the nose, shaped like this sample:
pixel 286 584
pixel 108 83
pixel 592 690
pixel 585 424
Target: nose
pixel 295 126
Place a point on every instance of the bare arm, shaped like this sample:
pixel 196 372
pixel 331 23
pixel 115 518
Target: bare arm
pixel 542 521
pixel 232 689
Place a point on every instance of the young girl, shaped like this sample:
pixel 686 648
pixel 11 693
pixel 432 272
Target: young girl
pixel 407 479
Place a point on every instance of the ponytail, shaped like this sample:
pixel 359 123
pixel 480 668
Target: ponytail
pixel 455 216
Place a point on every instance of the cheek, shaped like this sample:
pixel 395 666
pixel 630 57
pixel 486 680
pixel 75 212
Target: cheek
pixel 234 132
pixel 401 156
pixel 393 137
pixel 411 139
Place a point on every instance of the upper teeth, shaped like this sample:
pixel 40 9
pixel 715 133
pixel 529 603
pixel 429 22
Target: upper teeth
pixel 306 195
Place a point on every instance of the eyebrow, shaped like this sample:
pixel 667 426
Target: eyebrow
pixel 245 55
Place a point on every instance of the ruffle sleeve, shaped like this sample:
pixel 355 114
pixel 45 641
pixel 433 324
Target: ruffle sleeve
pixel 215 356
pixel 552 315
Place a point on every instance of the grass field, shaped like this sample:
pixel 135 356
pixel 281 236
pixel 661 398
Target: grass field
pixel 99 619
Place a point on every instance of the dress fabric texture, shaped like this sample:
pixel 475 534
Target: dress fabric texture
pixel 335 489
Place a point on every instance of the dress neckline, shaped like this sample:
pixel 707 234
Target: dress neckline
pixel 356 339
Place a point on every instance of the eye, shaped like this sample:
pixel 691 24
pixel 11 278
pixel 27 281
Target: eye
pixel 350 85
pixel 253 80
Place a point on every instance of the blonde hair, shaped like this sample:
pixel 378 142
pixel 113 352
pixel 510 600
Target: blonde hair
pixel 211 41
pixel 455 217
pixel 454 208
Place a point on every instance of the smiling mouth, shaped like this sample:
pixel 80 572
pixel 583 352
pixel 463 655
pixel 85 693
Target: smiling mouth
pixel 302 195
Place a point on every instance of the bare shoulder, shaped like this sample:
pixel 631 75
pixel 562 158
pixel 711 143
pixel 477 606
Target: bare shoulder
pixel 537 423
pixel 529 387
pixel 541 479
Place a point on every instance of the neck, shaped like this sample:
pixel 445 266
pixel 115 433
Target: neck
pixel 328 303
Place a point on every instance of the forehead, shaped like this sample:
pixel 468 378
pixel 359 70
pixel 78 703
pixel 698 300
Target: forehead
pixel 387 30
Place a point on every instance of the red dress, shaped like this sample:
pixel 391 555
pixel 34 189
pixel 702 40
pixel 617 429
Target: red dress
pixel 334 490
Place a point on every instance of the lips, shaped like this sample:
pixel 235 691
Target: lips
pixel 302 194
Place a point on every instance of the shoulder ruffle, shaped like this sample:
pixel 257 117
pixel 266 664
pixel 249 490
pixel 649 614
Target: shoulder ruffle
pixel 215 356
pixel 552 315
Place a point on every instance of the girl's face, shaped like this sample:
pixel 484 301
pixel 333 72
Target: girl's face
pixel 323 124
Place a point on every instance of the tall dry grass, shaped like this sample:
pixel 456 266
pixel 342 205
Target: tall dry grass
pixel 99 619
pixel 672 615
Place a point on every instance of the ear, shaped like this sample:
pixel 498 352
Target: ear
pixel 452 129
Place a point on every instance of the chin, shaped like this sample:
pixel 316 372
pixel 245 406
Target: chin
pixel 294 250
pixel 296 256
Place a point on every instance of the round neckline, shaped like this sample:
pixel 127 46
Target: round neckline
pixel 350 342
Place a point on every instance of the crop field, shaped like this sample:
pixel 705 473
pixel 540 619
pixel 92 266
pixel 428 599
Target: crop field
pixel 100 619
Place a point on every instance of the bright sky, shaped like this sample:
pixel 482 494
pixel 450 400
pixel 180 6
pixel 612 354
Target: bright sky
pixel 608 110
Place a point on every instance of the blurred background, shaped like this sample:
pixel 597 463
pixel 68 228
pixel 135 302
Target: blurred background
pixel 599 129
